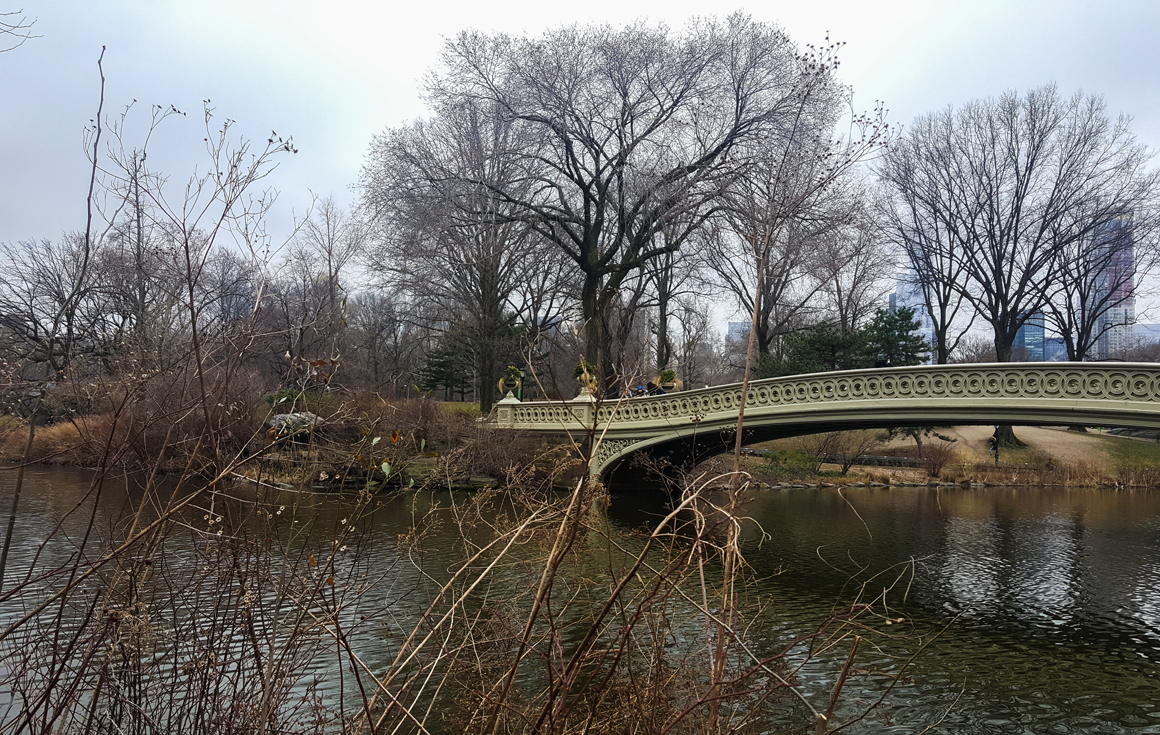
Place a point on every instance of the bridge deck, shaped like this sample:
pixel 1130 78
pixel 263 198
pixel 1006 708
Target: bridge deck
pixel 1094 394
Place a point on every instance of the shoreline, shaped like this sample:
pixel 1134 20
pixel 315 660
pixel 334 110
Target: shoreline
pixel 1053 457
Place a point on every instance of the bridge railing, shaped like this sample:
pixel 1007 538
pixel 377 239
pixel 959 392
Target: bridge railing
pixel 1125 382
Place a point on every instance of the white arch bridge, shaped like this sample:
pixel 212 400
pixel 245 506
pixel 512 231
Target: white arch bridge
pixel 690 426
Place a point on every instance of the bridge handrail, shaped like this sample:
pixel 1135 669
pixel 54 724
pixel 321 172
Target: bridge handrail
pixel 1047 380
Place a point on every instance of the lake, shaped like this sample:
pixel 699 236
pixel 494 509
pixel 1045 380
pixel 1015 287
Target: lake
pixel 1026 610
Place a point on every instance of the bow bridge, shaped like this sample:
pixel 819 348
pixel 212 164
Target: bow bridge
pixel 690 426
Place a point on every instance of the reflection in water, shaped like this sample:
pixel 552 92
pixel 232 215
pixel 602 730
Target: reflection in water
pixel 1045 583
pixel 972 563
pixel 1143 604
pixel 1052 596
pixel 1026 568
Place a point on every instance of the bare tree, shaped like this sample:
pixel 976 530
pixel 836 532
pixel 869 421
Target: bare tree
pixel 459 251
pixel 852 264
pixel 1095 287
pixel 216 205
pixel 843 448
pixel 299 294
pixel 627 131
pixel 914 218
pixel 1004 187
pixel 702 356
pixel 335 238
pixel 50 303
pixel 973 348
pixel 788 284
pixel 15 29
pixel 309 286
pixel 385 346
pixel 230 285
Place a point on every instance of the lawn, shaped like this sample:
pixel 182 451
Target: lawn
pixel 1132 453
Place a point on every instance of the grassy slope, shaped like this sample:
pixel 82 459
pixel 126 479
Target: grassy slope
pixel 1091 458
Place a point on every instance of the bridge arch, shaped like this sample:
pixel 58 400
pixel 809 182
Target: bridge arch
pixel 697 424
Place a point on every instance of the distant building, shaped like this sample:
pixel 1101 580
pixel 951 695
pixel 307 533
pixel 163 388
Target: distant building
pixel 738 332
pixel 1113 248
pixel 908 294
pixel 1029 340
pixel 1054 350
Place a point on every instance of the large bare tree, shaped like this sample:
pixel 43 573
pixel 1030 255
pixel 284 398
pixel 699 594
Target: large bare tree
pixel 51 306
pixel 627 131
pixel 336 239
pixel 781 215
pixel 912 218
pixel 1003 191
pixel 441 233
pixel 991 199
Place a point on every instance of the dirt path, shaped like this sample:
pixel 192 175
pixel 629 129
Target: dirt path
pixel 1068 446
pixel 1087 453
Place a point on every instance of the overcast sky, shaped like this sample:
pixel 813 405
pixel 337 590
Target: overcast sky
pixel 332 75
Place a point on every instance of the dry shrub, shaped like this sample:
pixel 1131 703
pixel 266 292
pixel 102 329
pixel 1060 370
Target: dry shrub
pixel 82 440
pixel 140 422
pixel 938 455
pixel 1078 474
pixel 842 447
pixel 416 438
pixel 429 422
pixel 1139 476
pixel 1084 473
pixel 515 460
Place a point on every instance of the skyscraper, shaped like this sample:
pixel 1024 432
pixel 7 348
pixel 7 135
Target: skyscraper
pixel 738 332
pixel 1113 254
pixel 1028 346
pixel 908 294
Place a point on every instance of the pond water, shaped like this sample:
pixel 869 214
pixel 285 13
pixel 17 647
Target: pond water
pixel 1052 597
pixel 1032 610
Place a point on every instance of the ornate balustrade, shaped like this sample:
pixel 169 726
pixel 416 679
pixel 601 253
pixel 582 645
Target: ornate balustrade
pixel 1109 394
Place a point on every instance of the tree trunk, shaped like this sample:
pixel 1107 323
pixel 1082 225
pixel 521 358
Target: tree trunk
pixel 487 374
pixel 594 332
pixel 664 348
pixel 1004 434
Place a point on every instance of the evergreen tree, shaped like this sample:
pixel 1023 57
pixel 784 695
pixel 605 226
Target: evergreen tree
pixel 893 337
pixel 819 349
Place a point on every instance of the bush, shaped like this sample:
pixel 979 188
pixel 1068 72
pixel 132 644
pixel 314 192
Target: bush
pixel 584 367
pixel 938 455
pixel 792 464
